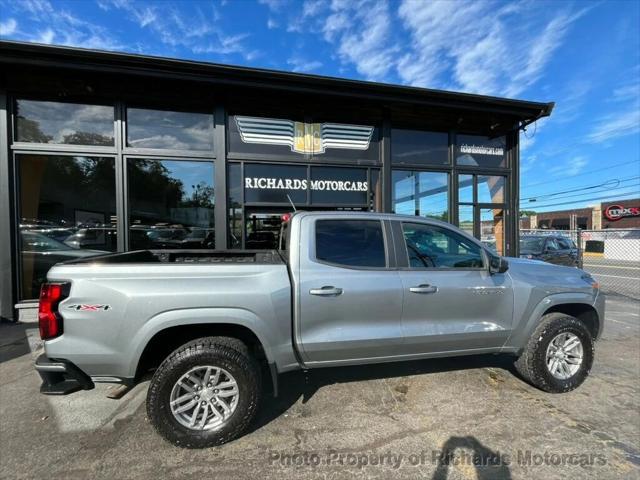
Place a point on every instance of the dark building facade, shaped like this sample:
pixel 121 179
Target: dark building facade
pixel 104 152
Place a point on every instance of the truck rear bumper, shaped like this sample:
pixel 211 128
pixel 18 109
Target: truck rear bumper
pixel 61 377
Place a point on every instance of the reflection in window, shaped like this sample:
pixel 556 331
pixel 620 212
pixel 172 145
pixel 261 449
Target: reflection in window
pixel 171 204
pixel 419 147
pixel 492 229
pixel 169 130
pixel 423 194
pixel 465 218
pixel 67 211
pixel 64 123
pixel 477 151
pixel 465 188
pixel 430 246
pixel 491 189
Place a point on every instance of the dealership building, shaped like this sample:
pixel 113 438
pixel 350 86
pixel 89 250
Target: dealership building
pixel 103 152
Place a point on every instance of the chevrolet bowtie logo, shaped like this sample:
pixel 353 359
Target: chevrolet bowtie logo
pixel 303 137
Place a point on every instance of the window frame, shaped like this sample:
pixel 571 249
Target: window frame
pixel 403 251
pixel 386 241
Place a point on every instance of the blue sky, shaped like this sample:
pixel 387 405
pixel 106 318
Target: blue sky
pixel 583 55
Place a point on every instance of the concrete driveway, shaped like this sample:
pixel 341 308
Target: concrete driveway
pixel 461 418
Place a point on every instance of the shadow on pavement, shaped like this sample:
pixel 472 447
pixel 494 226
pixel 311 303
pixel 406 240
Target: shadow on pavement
pixel 489 465
pixel 298 384
pixel 13 340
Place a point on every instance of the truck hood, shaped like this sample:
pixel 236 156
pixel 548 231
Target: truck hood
pixel 547 275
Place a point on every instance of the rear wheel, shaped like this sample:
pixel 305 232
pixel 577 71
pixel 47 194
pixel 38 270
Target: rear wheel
pixel 205 393
pixel 559 355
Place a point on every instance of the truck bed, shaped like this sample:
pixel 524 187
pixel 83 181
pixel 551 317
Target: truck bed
pixel 259 257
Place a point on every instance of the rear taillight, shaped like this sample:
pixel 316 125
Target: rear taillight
pixel 49 319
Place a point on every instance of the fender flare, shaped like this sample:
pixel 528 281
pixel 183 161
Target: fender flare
pixel 522 334
pixel 199 316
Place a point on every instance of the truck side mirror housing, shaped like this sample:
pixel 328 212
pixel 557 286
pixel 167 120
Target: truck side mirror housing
pixel 497 265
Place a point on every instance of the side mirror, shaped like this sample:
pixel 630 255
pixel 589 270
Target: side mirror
pixel 497 265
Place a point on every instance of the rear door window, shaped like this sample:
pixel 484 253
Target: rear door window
pixel 351 243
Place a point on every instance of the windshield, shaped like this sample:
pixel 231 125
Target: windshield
pixel 531 244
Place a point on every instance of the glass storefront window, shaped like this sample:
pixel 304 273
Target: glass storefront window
pixel 477 151
pixel 492 229
pixel 171 204
pixel 64 123
pixel 169 130
pixel 491 189
pixel 423 194
pixel 465 218
pixel 67 211
pixel 416 147
pixel 465 188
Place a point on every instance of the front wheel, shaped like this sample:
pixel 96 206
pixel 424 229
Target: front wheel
pixel 206 393
pixel 559 355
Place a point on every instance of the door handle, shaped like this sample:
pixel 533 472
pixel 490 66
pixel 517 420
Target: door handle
pixel 327 291
pixel 424 288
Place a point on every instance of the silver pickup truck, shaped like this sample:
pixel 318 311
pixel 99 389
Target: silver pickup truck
pixel 344 288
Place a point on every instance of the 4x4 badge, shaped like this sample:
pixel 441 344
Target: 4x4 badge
pixel 89 308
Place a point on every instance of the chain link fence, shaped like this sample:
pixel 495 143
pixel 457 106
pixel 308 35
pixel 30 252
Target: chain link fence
pixel 612 256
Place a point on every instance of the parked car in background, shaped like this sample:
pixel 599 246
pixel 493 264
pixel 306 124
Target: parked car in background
pixel 554 249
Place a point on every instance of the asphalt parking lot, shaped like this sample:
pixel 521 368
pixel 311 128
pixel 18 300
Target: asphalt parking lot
pixel 615 276
pixel 381 421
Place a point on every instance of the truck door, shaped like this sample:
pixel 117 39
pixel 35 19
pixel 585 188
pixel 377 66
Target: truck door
pixel 451 301
pixel 349 299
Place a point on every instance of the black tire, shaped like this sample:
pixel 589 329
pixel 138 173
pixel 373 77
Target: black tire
pixel 532 363
pixel 227 353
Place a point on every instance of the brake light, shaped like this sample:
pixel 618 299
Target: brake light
pixel 285 217
pixel 49 319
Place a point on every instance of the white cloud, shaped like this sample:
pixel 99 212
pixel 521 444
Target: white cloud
pixel 299 64
pixel 484 47
pixel 271 24
pixel 615 125
pixel 361 30
pixel 9 27
pixel 570 168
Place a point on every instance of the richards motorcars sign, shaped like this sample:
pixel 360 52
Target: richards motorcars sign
pixel 617 212
pixel 264 183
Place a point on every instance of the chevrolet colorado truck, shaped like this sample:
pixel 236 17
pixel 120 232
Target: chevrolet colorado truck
pixel 344 288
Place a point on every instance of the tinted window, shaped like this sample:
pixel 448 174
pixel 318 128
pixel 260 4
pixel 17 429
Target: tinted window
pixel 354 243
pixel 171 204
pixel 416 147
pixel 67 210
pixel 169 130
pixel 68 123
pixel 430 246
pixel 477 151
